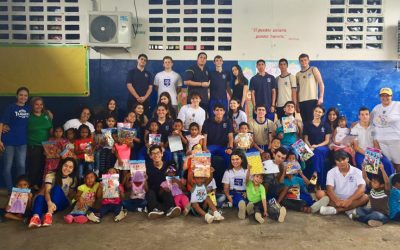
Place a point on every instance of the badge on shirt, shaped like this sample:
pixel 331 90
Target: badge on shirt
pixel 238 182
pixel 167 127
pixel 206 72
pixel 22 113
pixel 224 125
pixel 351 179
pixel 286 83
pixel 167 82
pixel 268 80
pixel 223 76
pixel 146 75
pixel 309 75
pixel 323 130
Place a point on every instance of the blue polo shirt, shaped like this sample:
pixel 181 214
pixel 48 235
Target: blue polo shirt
pixel 263 86
pixel 140 80
pixel 194 73
pixel 316 135
pixel 217 133
pixel 218 84
pixel 16 117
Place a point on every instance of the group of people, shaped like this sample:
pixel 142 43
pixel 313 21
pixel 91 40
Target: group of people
pixel 334 180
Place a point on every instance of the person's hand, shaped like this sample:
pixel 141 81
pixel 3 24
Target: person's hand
pixel 120 162
pixel 346 203
pixel 51 207
pixel 229 199
pixel 320 101
pixel 272 109
pixel 298 108
pixel 381 167
pixel 212 170
pixel 228 151
pixel 166 189
pixel 140 99
pixel 2 148
pixel 6 129
pixel 265 214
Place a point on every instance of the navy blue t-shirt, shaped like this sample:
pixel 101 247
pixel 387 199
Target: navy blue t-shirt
pixel 16 117
pixel 262 86
pixel 316 135
pixel 140 80
pixel 217 133
pixel 218 85
pixel 194 73
pixel 165 129
pixel 155 176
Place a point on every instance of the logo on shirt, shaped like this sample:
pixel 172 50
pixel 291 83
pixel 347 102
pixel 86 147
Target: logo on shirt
pixel 22 113
pixel 323 130
pixel 268 80
pixel 238 182
pixel 224 125
pixel 223 76
pixel 309 75
pixel 286 83
pixel 351 179
pixel 167 82
pixel 167 127
pixel 146 75
pixel 206 72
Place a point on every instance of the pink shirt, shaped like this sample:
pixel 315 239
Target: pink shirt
pixel 124 151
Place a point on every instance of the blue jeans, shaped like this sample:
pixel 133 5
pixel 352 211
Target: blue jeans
pixel 365 214
pixel 57 197
pixel 106 208
pixel 237 196
pixel 178 158
pixel 17 155
pixel 385 161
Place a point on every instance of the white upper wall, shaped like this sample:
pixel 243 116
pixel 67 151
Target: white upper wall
pixel 303 23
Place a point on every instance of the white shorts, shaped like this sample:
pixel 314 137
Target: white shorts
pixel 391 149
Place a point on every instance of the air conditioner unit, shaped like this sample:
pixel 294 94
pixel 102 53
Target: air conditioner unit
pixel 110 29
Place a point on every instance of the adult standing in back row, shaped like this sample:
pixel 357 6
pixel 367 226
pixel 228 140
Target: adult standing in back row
pixel 310 88
pixel 197 78
pixel 287 88
pixel 263 90
pixel 139 84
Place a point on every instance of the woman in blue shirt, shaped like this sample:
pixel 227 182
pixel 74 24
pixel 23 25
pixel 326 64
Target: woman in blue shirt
pixel 13 142
pixel 317 135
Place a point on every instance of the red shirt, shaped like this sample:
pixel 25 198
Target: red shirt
pixel 81 144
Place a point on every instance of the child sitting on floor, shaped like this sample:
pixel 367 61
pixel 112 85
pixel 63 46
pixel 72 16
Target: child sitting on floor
pixel 138 185
pixel 394 198
pixel 22 183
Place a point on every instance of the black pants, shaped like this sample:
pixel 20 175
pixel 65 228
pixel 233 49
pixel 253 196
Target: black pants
pixel 163 201
pixel 307 110
pixel 297 205
pixel 35 164
pixel 273 211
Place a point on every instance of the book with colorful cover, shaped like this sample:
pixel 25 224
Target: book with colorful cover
pixel 137 166
pixel 124 125
pixel 270 167
pixel 303 150
pixel 18 200
pixel 254 160
pixel 67 153
pixel 244 140
pixel 107 132
pixel 372 160
pixel 110 183
pixel 289 124
pixel 52 149
pixel 126 135
pixel 292 167
pixel 175 143
pixel 201 165
pixel 154 139
pixel 89 156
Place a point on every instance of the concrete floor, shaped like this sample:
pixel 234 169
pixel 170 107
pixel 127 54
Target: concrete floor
pixel 299 231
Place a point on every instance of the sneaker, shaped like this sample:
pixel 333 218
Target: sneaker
pixel 218 216
pixel 80 219
pixel 351 213
pixel 93 218
pixel 323 202
pixel 47 220
pixel 173 212
pixel 259 218
pixel 250 208
pixel 139 209
pixel 208 218
pixel 375 223
pixel 69 219
pixel 122 214
pixel 327 210
pixel 155 214
pixel 186 210
pixel 35 222
pixel 282 214
pixel 242 210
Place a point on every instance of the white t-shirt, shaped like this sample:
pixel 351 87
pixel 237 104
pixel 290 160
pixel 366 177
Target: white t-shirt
pixel 188 115
pixel 235 179
pixel 238 118
pixel 344 186
pixel 285 86
pixel 75 123
pixel 365 136
pixel 386 121
pixel 168 82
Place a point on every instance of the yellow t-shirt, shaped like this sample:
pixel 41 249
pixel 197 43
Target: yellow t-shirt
pixel 89 194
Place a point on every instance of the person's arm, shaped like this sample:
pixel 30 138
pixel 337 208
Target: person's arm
pixel 376 144
pixel 2 148
pixel 325 142
pixel 332 196
pixel 334 136
pixel 356 195
pixel 210 178
pixel 253 99
pixel 51 207
pixel 205 143
pixel 79 199
pixel 306 141
pixel 148 93
pixel 305 179
pixel 264 203
pixel 230 141
pixel 385 177
pixel 273 103
pixel 228 88
pixel 357 147
pixel 132 90
pixel 294 96
pixel 226 192
pixel 365 176
pixel 321 85
pixel 244 98
pixel 248 173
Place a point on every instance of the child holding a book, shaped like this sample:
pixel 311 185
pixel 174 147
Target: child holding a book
pixel 52 160
pixel 138 139
pixel 289 129
pixel 378 213
pixel 84 150
pixel 180 154
pixel 199 199
pixel 394 198
pixel 85 199
pixel 152 136
pixel 59 189
pixel 137 183
pixel 113 205
pixel 20 201
pixel 194 138
pixel 174 185
pixel 338 136
pixel 244 139
pixel 122 151
pixel 234 181
pixel 69 150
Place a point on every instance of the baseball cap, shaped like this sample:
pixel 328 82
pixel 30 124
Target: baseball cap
pixel 385 90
